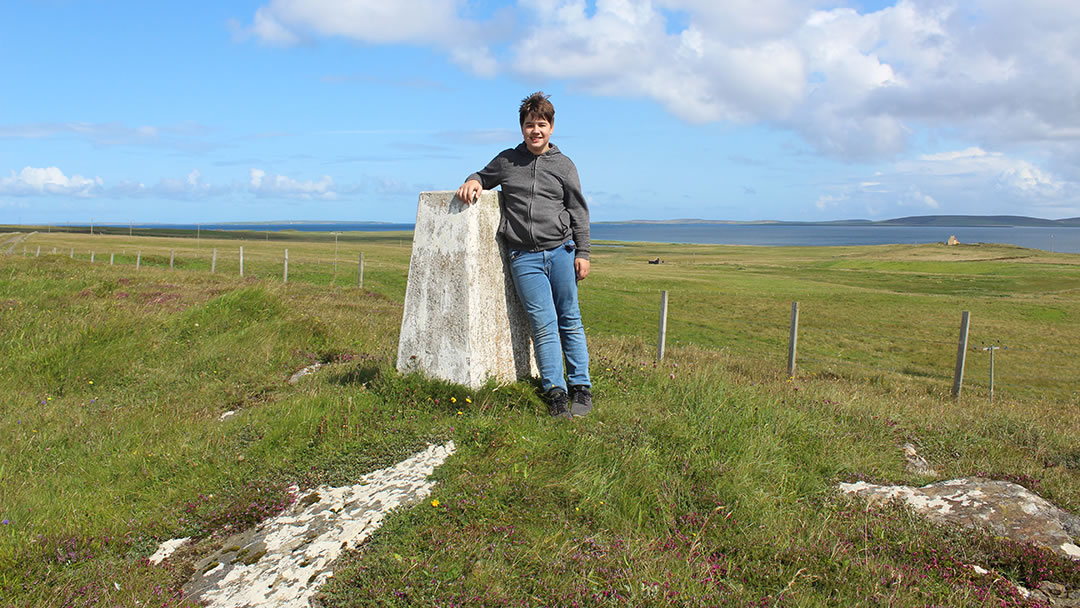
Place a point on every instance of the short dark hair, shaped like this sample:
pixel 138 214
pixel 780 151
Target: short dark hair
pixel 538 104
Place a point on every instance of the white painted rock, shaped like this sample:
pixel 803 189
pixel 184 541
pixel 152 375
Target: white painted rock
pixel 283 561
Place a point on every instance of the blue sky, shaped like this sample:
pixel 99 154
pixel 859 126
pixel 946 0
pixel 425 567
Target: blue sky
pixel 347 109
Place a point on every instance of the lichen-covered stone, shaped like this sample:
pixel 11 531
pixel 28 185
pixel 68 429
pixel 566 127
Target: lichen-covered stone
pixel 1004 508
pixel 282 562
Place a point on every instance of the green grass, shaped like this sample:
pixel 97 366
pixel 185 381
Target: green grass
pixel 707 479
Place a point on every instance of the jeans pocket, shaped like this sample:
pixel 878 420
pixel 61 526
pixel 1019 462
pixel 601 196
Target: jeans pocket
pixel 570 245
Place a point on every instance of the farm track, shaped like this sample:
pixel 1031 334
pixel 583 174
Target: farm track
pixel 14 240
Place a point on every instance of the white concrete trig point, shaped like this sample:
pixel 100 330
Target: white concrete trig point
pixel 462 321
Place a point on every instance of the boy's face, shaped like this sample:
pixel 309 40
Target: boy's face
pixel 537 133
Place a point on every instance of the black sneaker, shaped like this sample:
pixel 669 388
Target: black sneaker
pixel 558 403
pixel 580 400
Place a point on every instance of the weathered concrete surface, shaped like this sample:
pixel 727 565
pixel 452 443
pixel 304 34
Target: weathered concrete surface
pixel 1006 509
pixel 462 320
pixel 283 561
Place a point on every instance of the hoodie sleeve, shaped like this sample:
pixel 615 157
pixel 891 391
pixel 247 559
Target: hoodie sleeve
pixel 491 175
pixel 575 203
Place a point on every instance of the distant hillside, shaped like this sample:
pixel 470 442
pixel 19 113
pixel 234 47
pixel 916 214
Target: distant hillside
pixel 957 221
pixel 977 220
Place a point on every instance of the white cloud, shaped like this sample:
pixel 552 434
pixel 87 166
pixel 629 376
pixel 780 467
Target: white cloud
pixel 968 153
pixel 191 187
pixel 915 198
pixel 1000 74
pixel 187 137
pixel 1031 181
pixel 281 186
pixel 33 181
pixel 966 181
pixel 829 201
pixel 425 22
pixel 1018 176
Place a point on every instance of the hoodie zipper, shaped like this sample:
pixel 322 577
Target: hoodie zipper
pixel 532 200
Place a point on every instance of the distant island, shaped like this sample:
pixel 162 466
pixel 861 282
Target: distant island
pixel 946 221
pixel 981 221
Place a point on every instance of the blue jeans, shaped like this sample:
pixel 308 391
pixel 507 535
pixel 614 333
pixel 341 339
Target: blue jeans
pixel 546 283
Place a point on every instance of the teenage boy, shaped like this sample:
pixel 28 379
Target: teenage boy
pixel 545 227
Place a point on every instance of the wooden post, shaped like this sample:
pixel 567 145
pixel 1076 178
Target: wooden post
pixel 360 273
pixel 213 261
pixel 285 273
pixel 663 327
pixel 38 254
pixel 172 256
pixel 992 348
pixel 241 262
pixel 335 258
pixel 112 257
pixel 793 340
pixel 138 259
pixel 91 257
pixel 961 354
pixel 72 254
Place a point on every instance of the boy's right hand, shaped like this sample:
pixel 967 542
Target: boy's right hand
pixel 470 191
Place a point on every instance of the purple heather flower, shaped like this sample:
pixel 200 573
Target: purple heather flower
pixel 6 522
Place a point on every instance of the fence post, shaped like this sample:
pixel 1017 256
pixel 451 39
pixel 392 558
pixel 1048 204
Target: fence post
pixel 91 257
pixel 794 339
pixel 961 354
pixel 285 273
pixel 172 256
pixel 992 348
pixel 138 258
pixel 213 261
pixel 72 254
pixel 663 326
pixel 241 262
pixel 111 258
pixel 38 254
pixel 360 273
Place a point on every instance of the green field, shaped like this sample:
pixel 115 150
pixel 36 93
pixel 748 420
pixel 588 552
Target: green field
pixel 705 479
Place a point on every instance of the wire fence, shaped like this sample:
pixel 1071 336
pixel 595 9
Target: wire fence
pixel 925 350
pixel 251 263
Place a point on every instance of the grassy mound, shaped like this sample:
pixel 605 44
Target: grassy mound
pixel 706 479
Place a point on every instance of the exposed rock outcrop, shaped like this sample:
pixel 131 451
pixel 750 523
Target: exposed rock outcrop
pixel 283 561
pixel 1004 508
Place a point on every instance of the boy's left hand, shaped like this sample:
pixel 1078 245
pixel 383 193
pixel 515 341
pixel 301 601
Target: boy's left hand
pixel 581 266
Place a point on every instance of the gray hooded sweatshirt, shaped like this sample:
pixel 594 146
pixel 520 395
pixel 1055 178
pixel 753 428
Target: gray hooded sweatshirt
pixel 542 204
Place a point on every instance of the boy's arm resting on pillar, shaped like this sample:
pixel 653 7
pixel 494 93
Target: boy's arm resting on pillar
pixel 468 191
pixel 485 179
